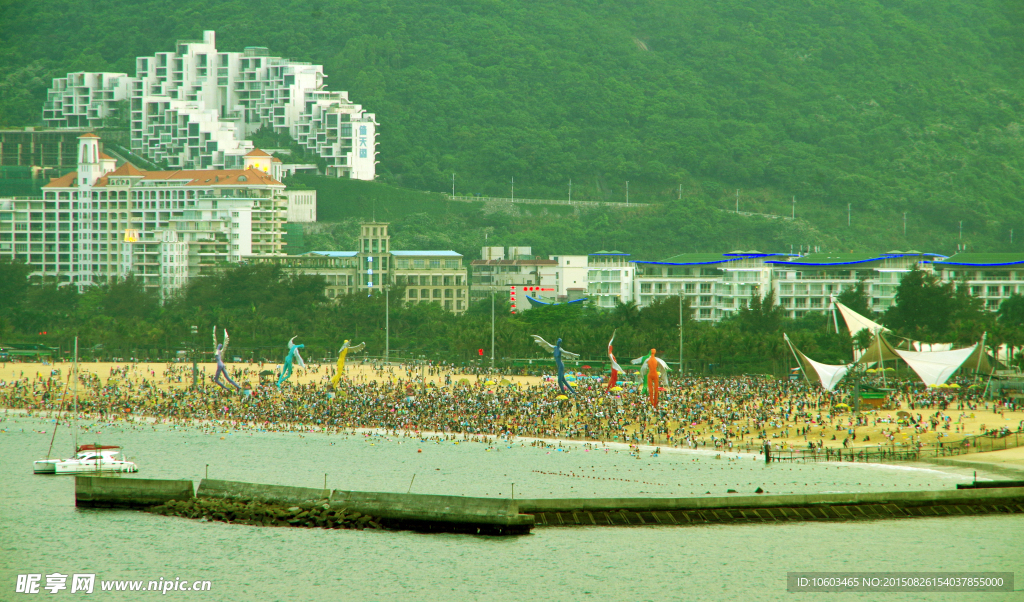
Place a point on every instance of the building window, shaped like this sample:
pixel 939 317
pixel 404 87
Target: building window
pixel 437 293
pixel 412 293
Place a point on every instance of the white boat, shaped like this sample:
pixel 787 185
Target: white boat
pixel 88 458
pixel 96 458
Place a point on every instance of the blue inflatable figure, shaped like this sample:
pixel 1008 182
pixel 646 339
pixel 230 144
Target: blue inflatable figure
pixel 558 352
pixel 218 352
pixel 293 354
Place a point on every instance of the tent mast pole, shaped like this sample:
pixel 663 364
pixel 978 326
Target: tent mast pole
pixel 797 358
pixel 981 353
pixel 881 364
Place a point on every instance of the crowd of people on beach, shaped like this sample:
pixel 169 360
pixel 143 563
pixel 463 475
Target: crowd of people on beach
pixel 726 413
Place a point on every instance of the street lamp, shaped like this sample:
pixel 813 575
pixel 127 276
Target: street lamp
pixel 195 331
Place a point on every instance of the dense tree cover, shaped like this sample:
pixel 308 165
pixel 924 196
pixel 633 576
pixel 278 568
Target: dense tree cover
pixel 262 308
pixel 885 107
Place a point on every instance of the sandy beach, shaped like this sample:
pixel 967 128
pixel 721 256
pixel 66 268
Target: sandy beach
pixel 967 422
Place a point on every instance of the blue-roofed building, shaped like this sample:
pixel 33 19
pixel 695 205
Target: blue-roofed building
pixel 991 277
pixel 610 277
pixel 807 283
pixel 715 284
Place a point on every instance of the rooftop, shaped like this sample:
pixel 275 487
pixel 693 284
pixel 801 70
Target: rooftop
pixel 513 262
pixel 694 259
pixel 333 253
pixel 425 254
pixel 610 253
pixel 982 259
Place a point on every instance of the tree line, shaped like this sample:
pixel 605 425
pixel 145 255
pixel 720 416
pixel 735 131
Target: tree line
pixel 262 308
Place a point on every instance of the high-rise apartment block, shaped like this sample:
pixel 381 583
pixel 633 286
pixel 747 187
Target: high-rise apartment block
pixel 101 222
pixel 194 108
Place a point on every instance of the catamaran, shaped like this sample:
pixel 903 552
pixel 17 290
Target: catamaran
pixel 89 457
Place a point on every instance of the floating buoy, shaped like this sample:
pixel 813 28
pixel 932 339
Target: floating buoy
pixel 419 451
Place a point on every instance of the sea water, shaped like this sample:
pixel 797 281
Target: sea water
pixel 41 531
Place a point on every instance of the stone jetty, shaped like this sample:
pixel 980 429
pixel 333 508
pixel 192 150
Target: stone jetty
pixel 320 515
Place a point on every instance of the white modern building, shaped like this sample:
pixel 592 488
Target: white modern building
pixel 610 276
pixel 571 276
pixel 991 277
pixel 194 107
pixel 716 284
pixel 807 283
pixel 101 222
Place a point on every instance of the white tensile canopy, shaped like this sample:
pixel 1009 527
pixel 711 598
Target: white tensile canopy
pixel 856 322
pixel 935 367
pixel 828 375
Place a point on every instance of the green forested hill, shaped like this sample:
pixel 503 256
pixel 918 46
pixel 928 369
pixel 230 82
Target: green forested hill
pixel 885 106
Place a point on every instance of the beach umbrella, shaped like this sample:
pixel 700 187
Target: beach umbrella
pixel 505 382
pixel 842 405
pixel 616 388
pixel 954 386
pixel 489 383
pixel 562 397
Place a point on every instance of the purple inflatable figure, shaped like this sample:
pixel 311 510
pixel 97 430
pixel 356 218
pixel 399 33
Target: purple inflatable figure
pixel 218 352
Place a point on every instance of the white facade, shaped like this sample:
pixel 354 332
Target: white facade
pixel 84 99
pixel 716 285
pixel 99 224
pixel 195 106
pixel 571 275
pixel 610 277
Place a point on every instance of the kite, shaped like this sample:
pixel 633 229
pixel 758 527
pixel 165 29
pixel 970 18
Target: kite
pixel 616 368
pixel 341 359
pixel 293 353
pixel 558 352
pixel 652 369
pixel 218 352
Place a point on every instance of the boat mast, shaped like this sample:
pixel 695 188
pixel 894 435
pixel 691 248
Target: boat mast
pixel 74 375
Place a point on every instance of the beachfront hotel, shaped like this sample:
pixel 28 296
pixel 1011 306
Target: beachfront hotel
pixel 104 222
pixel 195 107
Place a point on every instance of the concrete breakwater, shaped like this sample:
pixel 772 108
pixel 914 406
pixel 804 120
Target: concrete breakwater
pixel 771 508
pixel 234 501
pixel 267 515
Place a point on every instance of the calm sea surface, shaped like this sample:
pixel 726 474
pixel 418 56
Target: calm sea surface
pixel 42 532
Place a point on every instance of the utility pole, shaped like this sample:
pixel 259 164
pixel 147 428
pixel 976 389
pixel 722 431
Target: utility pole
pixel 492 331
pixel 737 200
pixel 904 223
pixel 794 208
pixel 453 184
pixel 627 192
pixel 570 190
pixel 387 323
pixel 513 189
pixel 195 331
pixel 849 210
pixel 680 334
pixel 680 192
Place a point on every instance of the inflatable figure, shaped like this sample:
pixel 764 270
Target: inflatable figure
pixel 345 349
pixel 218 352
pixel 616 368
pixel 653 371
pixel 558 352
pixel 293 354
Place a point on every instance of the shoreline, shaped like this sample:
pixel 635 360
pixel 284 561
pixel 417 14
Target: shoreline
pixel 989 464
